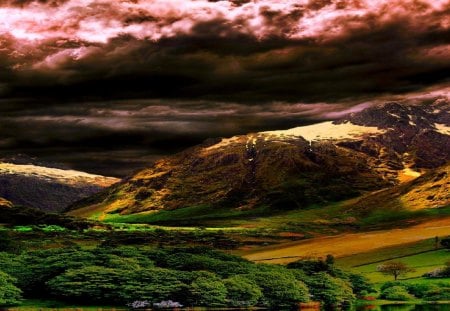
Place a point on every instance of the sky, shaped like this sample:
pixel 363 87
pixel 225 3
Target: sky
pixel 110 86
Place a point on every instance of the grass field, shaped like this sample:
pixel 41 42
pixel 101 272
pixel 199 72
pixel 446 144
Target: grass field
pixel 421 263
pixel 345 245
pixel 330 219
pixel 36 304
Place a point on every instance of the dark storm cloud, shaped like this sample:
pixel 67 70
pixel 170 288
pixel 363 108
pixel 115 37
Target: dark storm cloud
pixel 118 137
pixel 228 51
pixel 137 79
pixel 115 138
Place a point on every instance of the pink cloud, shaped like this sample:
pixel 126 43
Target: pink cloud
pixel 98 21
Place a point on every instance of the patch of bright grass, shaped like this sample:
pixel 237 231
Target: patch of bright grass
pixel 388 253
pixel 421 263
pixel 194 215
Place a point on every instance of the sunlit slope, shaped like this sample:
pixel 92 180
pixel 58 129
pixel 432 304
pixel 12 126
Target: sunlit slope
pixel 349 244
pixel 376 149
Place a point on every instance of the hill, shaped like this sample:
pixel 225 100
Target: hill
pixel 47 188
pixel 377 149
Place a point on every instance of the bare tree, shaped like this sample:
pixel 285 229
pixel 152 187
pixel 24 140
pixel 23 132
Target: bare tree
pixel 394 268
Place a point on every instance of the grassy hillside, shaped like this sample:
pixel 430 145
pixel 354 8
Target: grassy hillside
pixel 379 210
pixel 349 244
pixel 422 256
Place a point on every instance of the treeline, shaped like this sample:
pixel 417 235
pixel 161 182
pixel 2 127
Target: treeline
pixel 402 291
pixel 20 215
pixel 195 276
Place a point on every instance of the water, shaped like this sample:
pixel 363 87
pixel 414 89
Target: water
pixel 427 307
pixel 412 307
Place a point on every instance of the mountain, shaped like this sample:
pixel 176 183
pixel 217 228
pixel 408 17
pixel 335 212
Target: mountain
pixel 5 203
pixel 378 148
pixel 13 215
pixel 24 182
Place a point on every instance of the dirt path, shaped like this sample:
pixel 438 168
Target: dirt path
pixel 348 244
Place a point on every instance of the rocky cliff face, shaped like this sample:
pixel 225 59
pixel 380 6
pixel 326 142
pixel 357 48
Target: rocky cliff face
pixel 377 148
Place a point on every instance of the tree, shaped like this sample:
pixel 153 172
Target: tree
pixel 394 268
pixel 242 292
pixel 330 291
pixel 446 242
pixel 7 244
pixel 9 294
pixel 329 260
pixel 280 288
pixel 208 291
pixel 360 284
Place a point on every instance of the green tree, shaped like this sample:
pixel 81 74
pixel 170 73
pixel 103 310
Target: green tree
pixel 155 285
pixel 241 291
pixel 92 283
pixel 360 284
pixel 208 291
pixel 329 290
pixel 41 266
pixel 103 284
pixel 310 266
pixel 9 293
pixel 280 288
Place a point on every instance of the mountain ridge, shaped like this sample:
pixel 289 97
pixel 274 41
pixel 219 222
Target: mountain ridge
pixel 377 148
pixel 47 188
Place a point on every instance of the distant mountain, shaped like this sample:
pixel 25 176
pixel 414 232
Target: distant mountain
pixel 377 148
pixel 50 189
pixel 5 203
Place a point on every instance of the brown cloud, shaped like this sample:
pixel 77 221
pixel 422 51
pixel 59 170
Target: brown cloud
pixel 67 67
pixel 226 50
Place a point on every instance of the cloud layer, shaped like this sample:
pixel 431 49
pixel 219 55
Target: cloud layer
pixel 223 50
pixel 114 82
pixel 118 137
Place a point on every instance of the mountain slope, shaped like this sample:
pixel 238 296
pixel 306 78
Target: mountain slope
pixel 46 188
pixel 431 190
pixel 374 149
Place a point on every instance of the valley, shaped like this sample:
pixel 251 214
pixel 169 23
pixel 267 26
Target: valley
pixel 331 201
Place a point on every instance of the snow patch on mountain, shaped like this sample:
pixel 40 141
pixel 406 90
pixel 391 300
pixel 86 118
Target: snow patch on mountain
pixel 327 131
pixel 69 177
pixel 442 128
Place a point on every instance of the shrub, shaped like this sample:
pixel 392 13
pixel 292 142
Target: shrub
pixel 437 293
pixel 420 290
pixel 391 284
pixel 443 272
pixel 396 293
pixel 9 293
